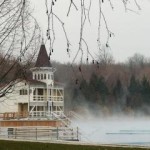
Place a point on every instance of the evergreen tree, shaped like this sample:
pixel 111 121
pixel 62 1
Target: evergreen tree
pixel 98 89
pixel 134 86
pixel 85 89
pixel 120 95
pixel 118 89
pixel 93 88
pixel 145 90
pixel 102 88
pixel 93 82
pixel 134 89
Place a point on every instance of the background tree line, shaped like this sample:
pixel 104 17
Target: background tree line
pixel 106 88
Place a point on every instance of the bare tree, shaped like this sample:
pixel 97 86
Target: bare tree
pixel 84 8
pixel 136 63
pixel 19 31
pixel 104 56
pixel 137 60
pixel 19 34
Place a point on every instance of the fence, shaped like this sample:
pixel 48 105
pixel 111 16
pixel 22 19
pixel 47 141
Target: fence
pixel 41 133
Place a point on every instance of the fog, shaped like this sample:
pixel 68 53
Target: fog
pixel 115 130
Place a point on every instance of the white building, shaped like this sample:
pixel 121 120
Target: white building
pixel 39 97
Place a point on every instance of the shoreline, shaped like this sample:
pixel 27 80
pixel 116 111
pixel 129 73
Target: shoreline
pixel 76 143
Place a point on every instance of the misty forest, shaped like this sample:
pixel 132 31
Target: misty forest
pixel 106 88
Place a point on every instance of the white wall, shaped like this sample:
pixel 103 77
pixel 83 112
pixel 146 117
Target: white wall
pixel 9 102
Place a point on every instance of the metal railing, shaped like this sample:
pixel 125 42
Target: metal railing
pixel 41 133
pixel 75 115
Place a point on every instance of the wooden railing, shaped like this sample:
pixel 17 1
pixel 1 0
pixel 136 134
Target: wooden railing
pixel 13 115
pixel 43 98
pixel 37 114
pixel 33 114
pixel 39 98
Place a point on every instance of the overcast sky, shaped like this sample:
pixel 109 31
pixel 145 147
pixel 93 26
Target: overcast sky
pixel 131 30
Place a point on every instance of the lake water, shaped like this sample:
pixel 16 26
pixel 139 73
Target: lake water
pixel 116 131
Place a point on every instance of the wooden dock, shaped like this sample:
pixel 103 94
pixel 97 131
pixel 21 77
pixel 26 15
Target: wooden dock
pixel 14 125
pixel 15 119
pixel 27 123
pixel 40 133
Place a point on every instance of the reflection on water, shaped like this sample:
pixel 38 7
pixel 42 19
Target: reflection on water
pixel 116 131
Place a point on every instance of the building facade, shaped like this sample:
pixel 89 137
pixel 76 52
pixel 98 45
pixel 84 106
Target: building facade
pixel 40 97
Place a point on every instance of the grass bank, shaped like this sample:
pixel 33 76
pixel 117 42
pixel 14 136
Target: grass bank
pixel 20 145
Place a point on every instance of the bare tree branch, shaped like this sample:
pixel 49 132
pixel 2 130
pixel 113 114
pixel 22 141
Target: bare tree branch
pixel 18 32
pixel 84 9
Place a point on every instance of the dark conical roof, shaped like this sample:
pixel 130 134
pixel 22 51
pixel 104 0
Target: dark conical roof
pixel 43 59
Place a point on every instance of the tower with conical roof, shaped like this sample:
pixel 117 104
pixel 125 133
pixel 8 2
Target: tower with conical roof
pixel 43 70
pixel 47 98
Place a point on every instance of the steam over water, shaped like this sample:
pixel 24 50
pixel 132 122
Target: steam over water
pixel 115 131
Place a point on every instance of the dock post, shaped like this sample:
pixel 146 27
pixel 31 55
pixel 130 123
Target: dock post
pixel 57 133
pixel 15 132
pixel 36 133
pixel 77 133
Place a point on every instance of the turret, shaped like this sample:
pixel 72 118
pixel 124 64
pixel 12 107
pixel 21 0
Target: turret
pixel 43 70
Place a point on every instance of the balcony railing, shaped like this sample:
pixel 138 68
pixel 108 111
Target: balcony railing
pixel 40 114
pixel 50 98
pixel 37 114
pixel 39 98
pixel 55 98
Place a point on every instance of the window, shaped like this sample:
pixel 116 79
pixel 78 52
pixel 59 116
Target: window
pixel 35 77
pixel 48 76
pixel 40 91
pixel 52 77
pixel 38 77
pixel 41 76
pixel 44 76
pixel 23 92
